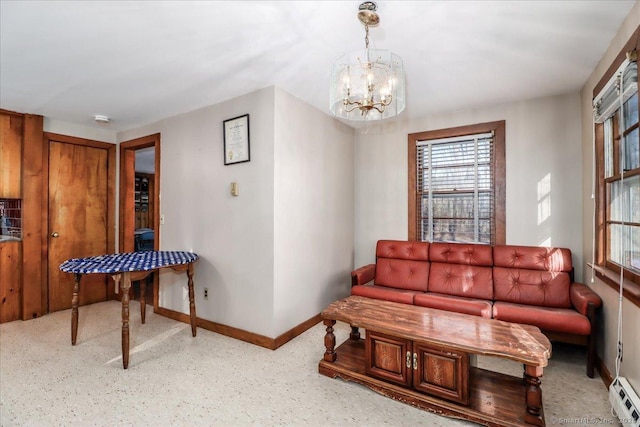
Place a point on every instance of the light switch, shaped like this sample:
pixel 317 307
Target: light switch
pixel 234 189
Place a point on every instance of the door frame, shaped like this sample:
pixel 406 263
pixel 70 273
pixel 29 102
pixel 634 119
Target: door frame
pixel 48 137
pixel 126 223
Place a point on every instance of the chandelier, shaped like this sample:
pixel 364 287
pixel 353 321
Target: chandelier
pixel 367 84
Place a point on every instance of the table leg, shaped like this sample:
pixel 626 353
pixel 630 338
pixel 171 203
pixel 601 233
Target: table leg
pixel 533 398
pixel 75 300
pixel 143 303
pixel 355 333
pixel 192 303
pixel 329 341
pixel 124 287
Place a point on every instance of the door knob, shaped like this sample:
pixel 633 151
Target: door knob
pixel 54 234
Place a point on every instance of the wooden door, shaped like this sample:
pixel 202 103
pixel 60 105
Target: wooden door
pixel 78 219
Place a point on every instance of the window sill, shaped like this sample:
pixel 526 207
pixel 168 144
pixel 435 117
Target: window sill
pixel 630 290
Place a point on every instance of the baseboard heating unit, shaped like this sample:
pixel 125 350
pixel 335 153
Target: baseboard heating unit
pixel 625 402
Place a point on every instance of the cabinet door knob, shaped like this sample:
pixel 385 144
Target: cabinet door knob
pixel 54 234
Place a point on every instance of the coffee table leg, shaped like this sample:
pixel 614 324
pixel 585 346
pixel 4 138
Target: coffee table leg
pixel 75 301
pixel 533 398
pixel 329 341
pixel 355 333
pixel 192 303
pixel 124 287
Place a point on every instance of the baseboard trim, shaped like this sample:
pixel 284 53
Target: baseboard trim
pixel 297 330
pixel 607 379
pixel 241 334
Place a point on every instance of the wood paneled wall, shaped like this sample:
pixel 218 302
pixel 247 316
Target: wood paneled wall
pixel 10 281
pixel 34 203
pixel 11 128
pixel 23 263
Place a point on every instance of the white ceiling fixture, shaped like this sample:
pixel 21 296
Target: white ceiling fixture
pixel 367 84
pixel 103 120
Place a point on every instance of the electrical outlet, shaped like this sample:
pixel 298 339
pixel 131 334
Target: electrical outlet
pixel 206 293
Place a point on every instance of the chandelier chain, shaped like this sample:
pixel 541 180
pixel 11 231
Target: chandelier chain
pixel 366 36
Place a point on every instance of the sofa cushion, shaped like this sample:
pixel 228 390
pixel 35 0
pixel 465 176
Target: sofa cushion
pixel 532 287
pixel 402 274
pixel 461 253
pixel 402 264
pixel 463 305
pixel 384 293
pixel 461 280
pixel 564 320
pixel 399 249
pixel 532 258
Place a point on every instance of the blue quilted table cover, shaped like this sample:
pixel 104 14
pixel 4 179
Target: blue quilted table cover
pixel 129 261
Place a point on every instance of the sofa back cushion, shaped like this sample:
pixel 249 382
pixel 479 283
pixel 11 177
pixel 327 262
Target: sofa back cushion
pixel 403 249
pixel 532 258
pixel 402 264
pixel 461 253
pixel 531 287
pixel 532 275
pixel 461 280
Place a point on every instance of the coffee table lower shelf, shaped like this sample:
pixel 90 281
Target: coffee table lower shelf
pixel 495 399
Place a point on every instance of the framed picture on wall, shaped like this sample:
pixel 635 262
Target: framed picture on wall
pixel 236 140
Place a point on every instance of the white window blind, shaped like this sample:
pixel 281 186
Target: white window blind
pixel 607 102
pixel 455 189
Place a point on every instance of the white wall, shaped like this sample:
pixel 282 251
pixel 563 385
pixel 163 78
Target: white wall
pixel 314 214
pixel 630 367
pixel 282 250
pixel 232 235
pixel 543 174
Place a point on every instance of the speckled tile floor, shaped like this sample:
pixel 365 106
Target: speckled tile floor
pixel 212 380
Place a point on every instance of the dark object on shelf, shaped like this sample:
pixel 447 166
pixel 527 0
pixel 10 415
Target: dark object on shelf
pixel 144 240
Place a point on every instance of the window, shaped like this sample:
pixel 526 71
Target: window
pixel 618 171
pixel 456 184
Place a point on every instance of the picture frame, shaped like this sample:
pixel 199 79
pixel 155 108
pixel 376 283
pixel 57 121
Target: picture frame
pixel 236 140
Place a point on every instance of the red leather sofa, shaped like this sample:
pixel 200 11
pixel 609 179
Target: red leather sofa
pixel 521 284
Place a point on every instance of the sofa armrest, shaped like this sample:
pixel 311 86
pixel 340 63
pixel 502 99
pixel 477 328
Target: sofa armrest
pixel 581 296
pixel 363 275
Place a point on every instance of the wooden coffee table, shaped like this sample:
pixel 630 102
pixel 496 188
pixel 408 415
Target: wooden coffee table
pixel 426 357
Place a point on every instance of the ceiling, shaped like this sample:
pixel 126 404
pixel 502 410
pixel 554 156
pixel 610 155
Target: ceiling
pixel 140 61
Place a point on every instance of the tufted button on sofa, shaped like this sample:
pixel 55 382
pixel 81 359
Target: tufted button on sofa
pixel 520 284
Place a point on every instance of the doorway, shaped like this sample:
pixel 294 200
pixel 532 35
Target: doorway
pixel 139 204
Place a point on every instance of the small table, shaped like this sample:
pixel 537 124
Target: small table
pixel 125 268
pixel 425 357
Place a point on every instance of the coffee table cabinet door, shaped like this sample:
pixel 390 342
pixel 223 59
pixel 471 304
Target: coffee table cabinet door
pixel 440 372
pixel 388 358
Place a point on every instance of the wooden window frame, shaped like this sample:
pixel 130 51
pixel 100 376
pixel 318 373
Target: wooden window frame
pixel 606 270
pixel 499 170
